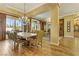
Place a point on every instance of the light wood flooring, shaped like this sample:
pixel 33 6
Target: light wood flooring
pixel 67 47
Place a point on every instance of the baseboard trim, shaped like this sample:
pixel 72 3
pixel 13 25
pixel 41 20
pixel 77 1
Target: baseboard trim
pixel 57 44
pixel 69 36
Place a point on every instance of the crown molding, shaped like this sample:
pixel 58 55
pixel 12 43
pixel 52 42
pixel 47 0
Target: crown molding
pixel 10 11
pixel 41 9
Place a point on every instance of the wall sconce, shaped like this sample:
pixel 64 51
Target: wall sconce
pixel 49 20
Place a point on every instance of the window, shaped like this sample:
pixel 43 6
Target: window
pixel 18 24
pixel 9 23
pixel 13 24
pixel 35 25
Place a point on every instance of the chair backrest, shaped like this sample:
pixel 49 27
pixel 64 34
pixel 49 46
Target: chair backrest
pixel 9 36
pixel 34 31
pixel 40 35
pixel 14 36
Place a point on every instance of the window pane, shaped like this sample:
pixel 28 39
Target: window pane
pixel 9 23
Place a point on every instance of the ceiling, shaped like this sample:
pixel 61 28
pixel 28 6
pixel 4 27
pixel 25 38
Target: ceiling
pixel 20 6
pixel 65 8
pixel 45 16
pixel 68 8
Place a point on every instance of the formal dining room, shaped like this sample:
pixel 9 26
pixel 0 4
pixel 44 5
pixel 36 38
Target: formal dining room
pixel 39 29
pixel 22 34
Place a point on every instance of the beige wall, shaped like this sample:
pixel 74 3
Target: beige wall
pixel 71 19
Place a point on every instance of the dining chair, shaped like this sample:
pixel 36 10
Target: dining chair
pixel 9 35
pixel 19 40
pixel 38 40
pixel 15 39
pixel 34 31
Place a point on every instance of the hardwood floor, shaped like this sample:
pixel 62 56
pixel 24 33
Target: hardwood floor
pixel 76 34
pixel 67 47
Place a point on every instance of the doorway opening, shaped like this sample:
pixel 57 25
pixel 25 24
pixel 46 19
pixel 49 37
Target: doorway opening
pixel 76 27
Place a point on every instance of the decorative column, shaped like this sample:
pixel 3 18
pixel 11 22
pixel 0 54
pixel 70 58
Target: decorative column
pixel 54 31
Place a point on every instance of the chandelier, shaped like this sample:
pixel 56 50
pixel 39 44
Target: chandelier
pixel 24 18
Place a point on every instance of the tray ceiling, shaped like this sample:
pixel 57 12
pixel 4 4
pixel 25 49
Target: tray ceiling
pixel 65 8
pixel 20 6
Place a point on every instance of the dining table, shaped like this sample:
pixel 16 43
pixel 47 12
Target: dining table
pixel 26 34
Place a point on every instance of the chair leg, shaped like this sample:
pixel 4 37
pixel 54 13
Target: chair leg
pixel 41 44
pixel 14 46
pixel 30 44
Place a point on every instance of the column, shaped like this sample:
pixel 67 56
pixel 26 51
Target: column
pixel 54 32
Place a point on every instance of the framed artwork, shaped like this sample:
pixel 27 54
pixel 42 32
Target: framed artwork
pixel 68 26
